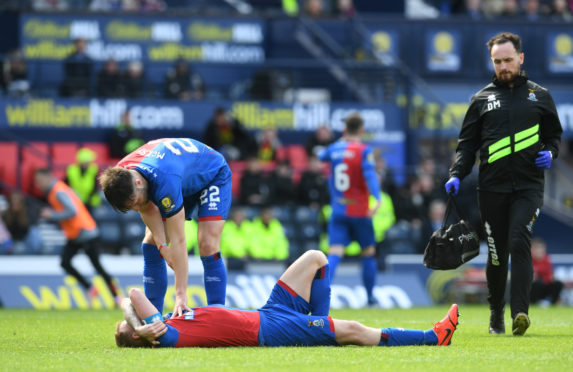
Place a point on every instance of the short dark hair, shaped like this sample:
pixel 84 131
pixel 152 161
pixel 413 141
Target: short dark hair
pixel 117 186
pixel 504 37
pixel 43 172
pixel 354 123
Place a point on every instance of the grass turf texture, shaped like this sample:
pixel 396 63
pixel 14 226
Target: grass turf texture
pixel 83 341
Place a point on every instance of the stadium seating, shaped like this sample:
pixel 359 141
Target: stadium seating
pixel 9 164
pixel 35 155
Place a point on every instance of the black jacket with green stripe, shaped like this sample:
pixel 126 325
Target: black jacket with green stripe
pixel 508 126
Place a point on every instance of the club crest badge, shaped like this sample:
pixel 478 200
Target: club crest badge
pixel 167 203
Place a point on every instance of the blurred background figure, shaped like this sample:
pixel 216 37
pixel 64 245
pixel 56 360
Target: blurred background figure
pixel 236 239
pixel 109 82
pixel 544 287
pixel 125 138
pixel 321 138
pixel 182 83
pixel 271 242
pixel 282 187
pixel 77 72
pixel 20 220
pixel 82 178
pixel 14 76
pixel 255 185
pixel 312 188
pixel 268 144
pixel 78 226
pixel 133 80
pixel 314 8
pixel 228 136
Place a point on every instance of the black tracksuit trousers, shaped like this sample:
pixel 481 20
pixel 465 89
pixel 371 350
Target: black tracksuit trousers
pixel 508 220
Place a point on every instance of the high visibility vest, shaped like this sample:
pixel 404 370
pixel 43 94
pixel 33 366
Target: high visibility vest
pixel 236 240
pixel 85 183
pixel 74 225
pixel 268 242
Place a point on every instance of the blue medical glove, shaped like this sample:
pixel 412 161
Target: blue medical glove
pixel 453 185
pixel 544 159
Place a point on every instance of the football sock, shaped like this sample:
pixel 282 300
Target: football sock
pixel 369 275
pixel 154 275
pixel 215 278
pixel 333 261
pixel 405 337
pixel 320 292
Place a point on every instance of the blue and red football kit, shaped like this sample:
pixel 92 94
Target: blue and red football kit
pixel 353 179
pixel 182 172
pixel 283 321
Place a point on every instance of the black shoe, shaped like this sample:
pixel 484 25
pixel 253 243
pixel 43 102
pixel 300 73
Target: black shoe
pixel 520 324
pixel 496 322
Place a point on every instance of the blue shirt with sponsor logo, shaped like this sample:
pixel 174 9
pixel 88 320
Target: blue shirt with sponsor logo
pixel 176 169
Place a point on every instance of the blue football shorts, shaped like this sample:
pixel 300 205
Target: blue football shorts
pixel 213 202
pixel 343 230
pixel 285 321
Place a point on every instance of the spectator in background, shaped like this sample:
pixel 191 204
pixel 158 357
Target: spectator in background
pixel 270 242
pixel 236 239
pixel 82 178
pixel 182 83
pixel 532 10
pixel 20 222
pixel 544 285
pixel 78 226
pixel 109 82
pixel 6 244
pixel 133 80
pixel 262 86
pixel 473 9
pixel 106 5
pixel 77 72
pixel 125 138
pixel 255 188
pixel 511 9
pixel 228 136
pixel 312 188
pixel 318 141
pixel 267 144
pixel 560 11
pixel 15 75
pixel 281 185
pixel 50 5
pixel 432 222
pixel 345 8
pixel 314 8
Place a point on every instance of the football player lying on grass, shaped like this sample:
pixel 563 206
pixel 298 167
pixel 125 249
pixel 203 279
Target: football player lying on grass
pixel 296 314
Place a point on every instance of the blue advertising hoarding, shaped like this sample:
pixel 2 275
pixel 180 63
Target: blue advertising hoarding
pixel 129 37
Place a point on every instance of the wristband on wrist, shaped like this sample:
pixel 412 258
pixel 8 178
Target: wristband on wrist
pixel 153 318
pixel 162 245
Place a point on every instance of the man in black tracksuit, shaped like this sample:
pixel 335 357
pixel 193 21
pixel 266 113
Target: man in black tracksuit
pixel 513 123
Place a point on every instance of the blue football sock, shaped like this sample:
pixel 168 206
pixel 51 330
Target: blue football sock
pixel 369 268
pixel 402 337
pixel 333 261
pixel 154 275
pixel 215 278
pixel 430 337
pixel 320 292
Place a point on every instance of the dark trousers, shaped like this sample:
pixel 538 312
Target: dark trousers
pixel 540 291
pixel 508 220
pixel 91 249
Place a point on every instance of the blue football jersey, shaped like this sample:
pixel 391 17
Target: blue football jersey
pixel 353 177
pixel 177 169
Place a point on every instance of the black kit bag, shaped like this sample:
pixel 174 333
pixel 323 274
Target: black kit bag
pixel 451 245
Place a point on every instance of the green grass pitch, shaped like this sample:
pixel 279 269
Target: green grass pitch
pixel 78 340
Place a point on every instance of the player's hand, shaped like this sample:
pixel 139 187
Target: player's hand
pixel 453 186
pixel 151 332
pixel 372 211
pixel 544 159
pixel 180 305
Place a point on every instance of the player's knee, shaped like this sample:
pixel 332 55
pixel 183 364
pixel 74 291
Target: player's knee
pixel 208 246
pixel 354 331
pixel 370 251
pixel 316 257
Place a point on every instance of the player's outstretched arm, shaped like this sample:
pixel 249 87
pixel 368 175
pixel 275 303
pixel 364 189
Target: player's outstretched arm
pixel 142 316
pixel 176 256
